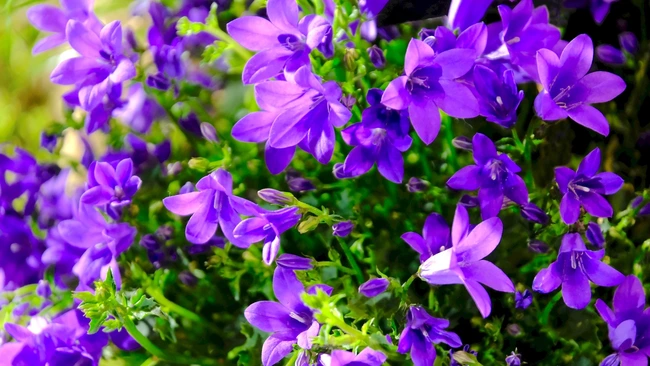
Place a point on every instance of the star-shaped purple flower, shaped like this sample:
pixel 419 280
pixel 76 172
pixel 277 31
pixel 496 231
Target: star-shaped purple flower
pixel 494 175
pixel 586 187
pixel 111 184
pixel 463 262
pixel 267 226
pixel 497 95
pixel 574 268
pixel 434 239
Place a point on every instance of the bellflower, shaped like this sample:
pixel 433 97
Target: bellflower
pixel 569 90
pixel 523 299
pixel 434 239
pixel 20 253
pixel 494 175
pixel 367 357
pixel 465 13
pixel 586 187
pixel 342 229
pixel 369 9
pixel 428 84
pixel 289 320
pixel 463 262
pixel 139 111
pixel 213 205
pixel 595 235
pixel 628 323
pixel 421 332
pixel 53 202
pixel 111 184
pixel 416 184
pixel 283 42
pixel 61 257
pixel 101 65
pixel 497 95
pixel 377 58
pixel 443 39
pixel 574 268
pixel 380 138
pixel 267 226
pixel 514 359
pixel 374 287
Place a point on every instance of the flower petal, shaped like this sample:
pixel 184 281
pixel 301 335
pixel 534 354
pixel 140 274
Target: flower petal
pixel 269 316
pixel 288 289
pixel 457 100
pixel 480 242
pixel 608 183
pixel 83 40
pixel 203 224
pixel 425 119
pixel 480 296
pixel 418 54
pixel 465 179
pixel 278 160
pixel 590 164
pixel 396 95
pixel 590 117
pixel 47 18
pixel 188 203
pixel 548 279
pixel 575 289
pixel 483 149
pixel 563 176
pixel 569 208
pixel 630 295
pixel 603 86
pixel 254 127
pixel 460 226
pixel 489 275
pixel 254 33
pixel 390 164
pixel 596 205
pixel 602 274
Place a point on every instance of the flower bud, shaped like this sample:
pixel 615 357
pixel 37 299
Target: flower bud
pixel 350 59
pixel 209 132
pixel 158 81
pixel 275 197
pixel 294 262
pixel 374 287
pixel 300 184
pixel 43 289
pixel 513 329
pixel 377 57
pixel 348 101
pixel 186 188
pixel 537 246
pixel 629 42
pixel 188 279
pixel 416 185
pixel 200 164
pixel 610 55
pixel 523 299
pixel 463 143
pixel 342 229
pixel 531 212
pixel 595 235
pixel 339 171
pixel 513 360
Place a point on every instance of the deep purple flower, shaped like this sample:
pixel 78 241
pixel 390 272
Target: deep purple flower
pixel 380 138
pixel 629 43
pixel 497 95
pixel 610 55
pixel 28 176
pixel 297 183
pixel 367 357
pixel 645 210
pixel 101 65
pixel 188 279
pixel 294 262
pixel 213 205
pixel 421 332
pixel 514 359
pixel 465 13
pixel 374 287
pixel 532 212
pixel 111 184
pixel 537 246
pixel 428 84
pixel 289 320
pixel 628 324
pixel 574 268
pixel 443 39
pixel 434 239
pixel 377 57
pixel 463 262
pixel 342 229
pixel 267 226
pixel 283 43
pixel 146 155
pixel 20 253
pixel 586 188
pixel 595 235
pixel 416 185
pixel 523 299
pixel 139 111
pixel 569 90
pixel 494 175
pixel 369 9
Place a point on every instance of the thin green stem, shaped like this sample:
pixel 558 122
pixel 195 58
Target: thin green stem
pixel 350 257
pixel 449 137
pixel 141 339
pixel 160 298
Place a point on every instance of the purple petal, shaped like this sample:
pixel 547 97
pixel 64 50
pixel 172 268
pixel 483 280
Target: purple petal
pixel 460 226
pixel 396 95
pixel 188 203
pixel 576 59
pixel 605 312
pixel 111 36
pixel 602 86
pixel 590 164
pixel 47 18
pixel 83 40
pixel 254 33
pixel 287 288
pixel 269 316
pixel 437 269
pixel 515 189
pixel 358 162
pixel 283 14
pixel 480 297
pixel 391 164
pixel 596 205
pixel 489 275
pixel 548 66
pixel 265 65
pixel 415 241
pixel 610 55
pixel 418 54
pixel 457 100
pixel 277 160
pixel 436 231
pixel 455 62
pixel 289 128
pixel 305 339
pixel 608 183
pixel 547 109
pixel 480 242
pixel 254 127
pixel 624 332
pixel 563 176
pixel 548 279
pixel 124 70
pixel 203 224
pixel 425 119
pixel 74 70
pixel 575 289
pixel 483 148
pixel 630 295
pixel 491 200
pixel 251 230
pixel 321 142
pixel 569 208
pixel 273 95
pixel 98 195
pixel 602 274
pixel 48 43
pixel 374 287
pixel 465 179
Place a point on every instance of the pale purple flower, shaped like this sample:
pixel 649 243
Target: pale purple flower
pixel 443 39
pixel 374 287
pixel 275 197
pixel 585 187
pixel 267 226
pixel 523 299
pixel 463 262
pixel 494 175
pixel 342 229
pixel 498 96
pixel 428 84
pixel 209 132
pixel 367 357
pixel 283 43
pixel 434 239
pixel 538 246
pixel 574 268
pixel 111 184
pixel 421 332
pixel 569 90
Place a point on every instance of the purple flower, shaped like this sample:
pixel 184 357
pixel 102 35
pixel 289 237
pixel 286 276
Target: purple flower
pixel 421 332
pixel 645 210
pixel 342 229
pixel 610 55
pixel 53 202
pixel 494 175
pixel 463 262
pixel 374 287
pixel 628 324
pixel 283 43
pixel 101 65
pixel 569 90
pixel 380 138
pixel 188 279
pixel 585 187
pixel 428 84
pixel 533 213
pixel 465 13
pixel 523 299
pixel 462 143
pixel 513 360
pixel 48 18
pixel 289 320
pixel 595 235
pixel 267 226
pixel 443 39
pixel 111 184
pixel 294 262
pixel 574 268
pixel 367 357
pixel 139 111
pixel 376 57
pixel 498 96
pixel 20 253
pixel 146 155
pixel 213 205
pixel 628 42
pixel 435 237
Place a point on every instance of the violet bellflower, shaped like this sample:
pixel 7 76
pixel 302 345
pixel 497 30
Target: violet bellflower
pixel 463 262
pixel 610 55
pixel 139 111
pixel 367 357
pixel 369 9
pixel 523 299
pixel 465 13
pixel 20 252
pixel 289 320
pixel 421 332
pixel 101 64
pixel 595 235
pixel 494 175
pixel 498 96
pixel 569 90
pixel 574 268
pixel 267 226
pixel 428 84
pixel 283 42
pixel 211 207
pixel 374 287
pixel 111 184
pixel 434 239
pixel 585 187
pixel 380 138
pixel 628 323
pixel 443 39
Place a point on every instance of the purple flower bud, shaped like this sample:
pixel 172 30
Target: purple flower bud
pixel 43 289
pixel 294 262
pixel 174 168
pixel 188 279
pixel 374 287
pixel 165 232
pixel 469 201
pixel 48 142
pixel 150 242
pixel 377 57
pixel 463 143
pixel 300 185
pixel 158 81
pixel 130 39
pixel 342 229
pixel 389 339
pixel 349 101
pixel 191 123
pixel 637 202
pixel 537 246
pixel 610 55
pixel 275 197
pixel 20 310
pixel 629 42
pixel 416 185
pixel 209 132
pixel 513 329
pixel 186 188
pixel 595 235
pixel 523 299
pixel 531 212
pixel 513 360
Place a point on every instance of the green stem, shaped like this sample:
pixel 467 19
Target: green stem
pixel 141 339
pixel 160 298
pixel 547 310
pixel 408 282
pixel 350 257
pixel 449 137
